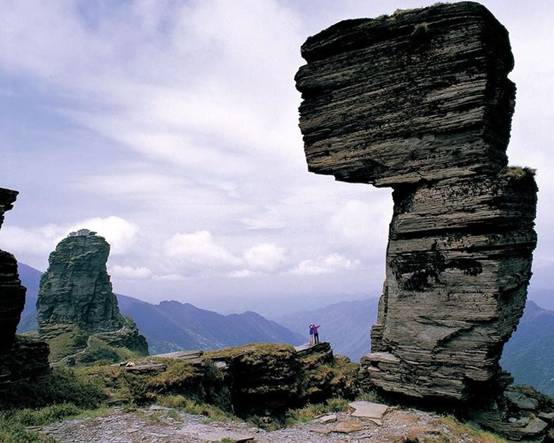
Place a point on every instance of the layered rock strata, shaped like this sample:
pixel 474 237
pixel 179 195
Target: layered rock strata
pixel 12 293
pixel 420 101
pixel 76 302
pixel 19 357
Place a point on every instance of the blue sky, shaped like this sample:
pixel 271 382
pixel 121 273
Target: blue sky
pixel 170 127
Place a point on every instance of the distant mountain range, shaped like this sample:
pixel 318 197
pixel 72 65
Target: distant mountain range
pixel 345 325
pixel 30 277
pixel 529 355
pixel 171 325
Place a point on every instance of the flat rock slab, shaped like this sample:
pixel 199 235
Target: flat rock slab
pixel 181 355
pixel 146 368
pixel 370 410
pixel 327 419
pixel 347 427
pixel 521 400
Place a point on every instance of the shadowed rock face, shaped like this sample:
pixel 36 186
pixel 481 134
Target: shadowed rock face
pixel 420 101
pixel 12 294
pixel 19 357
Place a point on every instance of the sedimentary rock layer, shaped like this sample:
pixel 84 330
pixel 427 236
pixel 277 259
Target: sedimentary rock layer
pixel 12 293
pixel 420 101
pixel 420 93
pixel 19 357
pixel 458 265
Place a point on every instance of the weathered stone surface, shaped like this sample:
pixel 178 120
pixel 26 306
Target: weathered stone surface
pixel 268 379
pixel 519 414
pixel 77 309
pixel 12 293
pixel 369 410
pixel 422 92
pixel 263 378
pixel 76 288
pixel 326 376
pixel 20 358
pixel 26 358
pixel 420 101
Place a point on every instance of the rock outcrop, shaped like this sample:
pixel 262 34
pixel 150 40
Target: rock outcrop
pixel 12 293
pixel 420 101
pixel 19 357
pixel 268 379
pixel 77 310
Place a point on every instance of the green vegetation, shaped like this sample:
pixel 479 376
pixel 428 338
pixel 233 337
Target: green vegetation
pixel 338 378
pixel 255 350
pixel 11 431
pixel 466 430
pixel 71 346
pixel 194 407
pixel 98 352
pixel 61 386
pixel 519 172
pixel 311 411
pixel 64 341
pixel 59 395
pixel 199 389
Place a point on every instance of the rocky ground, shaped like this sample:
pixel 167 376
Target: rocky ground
pixel 165 425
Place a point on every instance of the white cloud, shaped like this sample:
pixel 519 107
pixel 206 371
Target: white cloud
pixel 40 240
pixel 265 257
pixel 118 232
pixel 169 277
pixel 180 115
pixel 325 265
pixel 358 223
pixel 199 248
pixel 129 272
pixel 241 273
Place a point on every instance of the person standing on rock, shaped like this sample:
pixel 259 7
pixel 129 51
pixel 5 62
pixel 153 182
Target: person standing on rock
pixel 315 329
pixel 311 334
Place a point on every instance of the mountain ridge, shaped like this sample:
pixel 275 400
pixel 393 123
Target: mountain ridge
pixel 171 325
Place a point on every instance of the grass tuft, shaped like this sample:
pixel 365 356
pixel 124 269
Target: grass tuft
pixel 311 411
pixel 193 407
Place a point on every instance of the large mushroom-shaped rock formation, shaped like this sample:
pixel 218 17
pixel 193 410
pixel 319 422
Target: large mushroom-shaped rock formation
pixel 77 310
pixel 420 101
pixel 19 357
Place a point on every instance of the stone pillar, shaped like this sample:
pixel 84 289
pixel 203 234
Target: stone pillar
pixel 420 101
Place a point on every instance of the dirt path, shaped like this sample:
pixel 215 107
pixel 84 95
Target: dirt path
pixel 162 425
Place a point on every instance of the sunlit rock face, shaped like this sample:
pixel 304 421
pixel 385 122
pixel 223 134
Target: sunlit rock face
pixel 420 101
